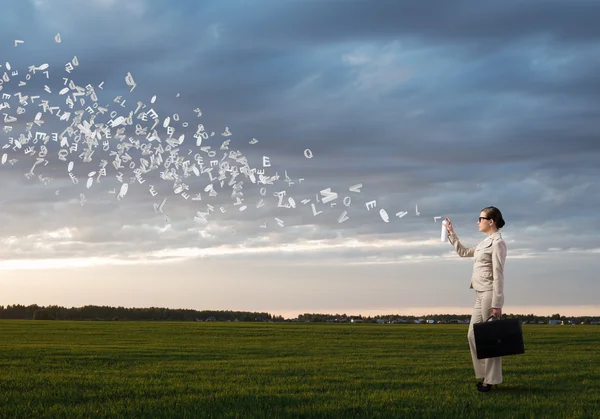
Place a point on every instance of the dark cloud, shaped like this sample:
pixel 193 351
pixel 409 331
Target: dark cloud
pixel 467 22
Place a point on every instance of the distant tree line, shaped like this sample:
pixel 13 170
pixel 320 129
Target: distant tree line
pixel 35 312
pixel 104 313
pixel 443 318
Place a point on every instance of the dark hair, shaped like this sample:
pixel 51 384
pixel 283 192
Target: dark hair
pixel 495 214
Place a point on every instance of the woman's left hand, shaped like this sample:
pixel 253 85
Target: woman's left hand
pixel 496 312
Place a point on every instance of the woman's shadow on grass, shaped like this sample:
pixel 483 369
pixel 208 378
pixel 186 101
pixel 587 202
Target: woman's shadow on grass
pixel 524 389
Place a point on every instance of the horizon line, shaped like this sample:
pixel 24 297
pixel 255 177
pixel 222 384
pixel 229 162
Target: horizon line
pixel 414 311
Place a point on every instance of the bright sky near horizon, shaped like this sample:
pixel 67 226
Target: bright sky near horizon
pixel 450 107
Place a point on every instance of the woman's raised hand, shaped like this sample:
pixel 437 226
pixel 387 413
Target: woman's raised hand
pixel 449 225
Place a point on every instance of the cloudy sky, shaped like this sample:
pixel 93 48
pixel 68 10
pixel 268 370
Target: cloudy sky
pixel 451 106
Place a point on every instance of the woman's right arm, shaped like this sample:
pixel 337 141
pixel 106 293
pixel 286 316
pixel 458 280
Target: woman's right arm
pixel 462 251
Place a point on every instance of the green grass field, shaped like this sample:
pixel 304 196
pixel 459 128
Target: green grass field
pixel 193 370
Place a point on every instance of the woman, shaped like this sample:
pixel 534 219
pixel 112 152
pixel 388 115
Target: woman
pixel 488 282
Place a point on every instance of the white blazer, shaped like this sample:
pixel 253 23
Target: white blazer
pixel 488 269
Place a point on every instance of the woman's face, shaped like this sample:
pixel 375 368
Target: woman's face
pixel 484 222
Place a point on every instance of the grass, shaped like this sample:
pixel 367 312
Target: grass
pixel 230 370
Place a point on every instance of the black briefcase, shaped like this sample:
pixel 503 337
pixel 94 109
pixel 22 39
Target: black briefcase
pixel 498 338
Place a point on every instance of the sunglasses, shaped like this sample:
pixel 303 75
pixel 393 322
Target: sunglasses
pixel 483 218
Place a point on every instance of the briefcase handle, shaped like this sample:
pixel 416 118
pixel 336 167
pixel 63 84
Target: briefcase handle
pixel 491 317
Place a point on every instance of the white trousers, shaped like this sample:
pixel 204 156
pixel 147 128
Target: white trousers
pixel 490 369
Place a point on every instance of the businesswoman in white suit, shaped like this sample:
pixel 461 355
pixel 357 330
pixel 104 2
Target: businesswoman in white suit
pixel 488 282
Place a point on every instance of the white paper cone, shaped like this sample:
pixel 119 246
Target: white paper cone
pixel 444 237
